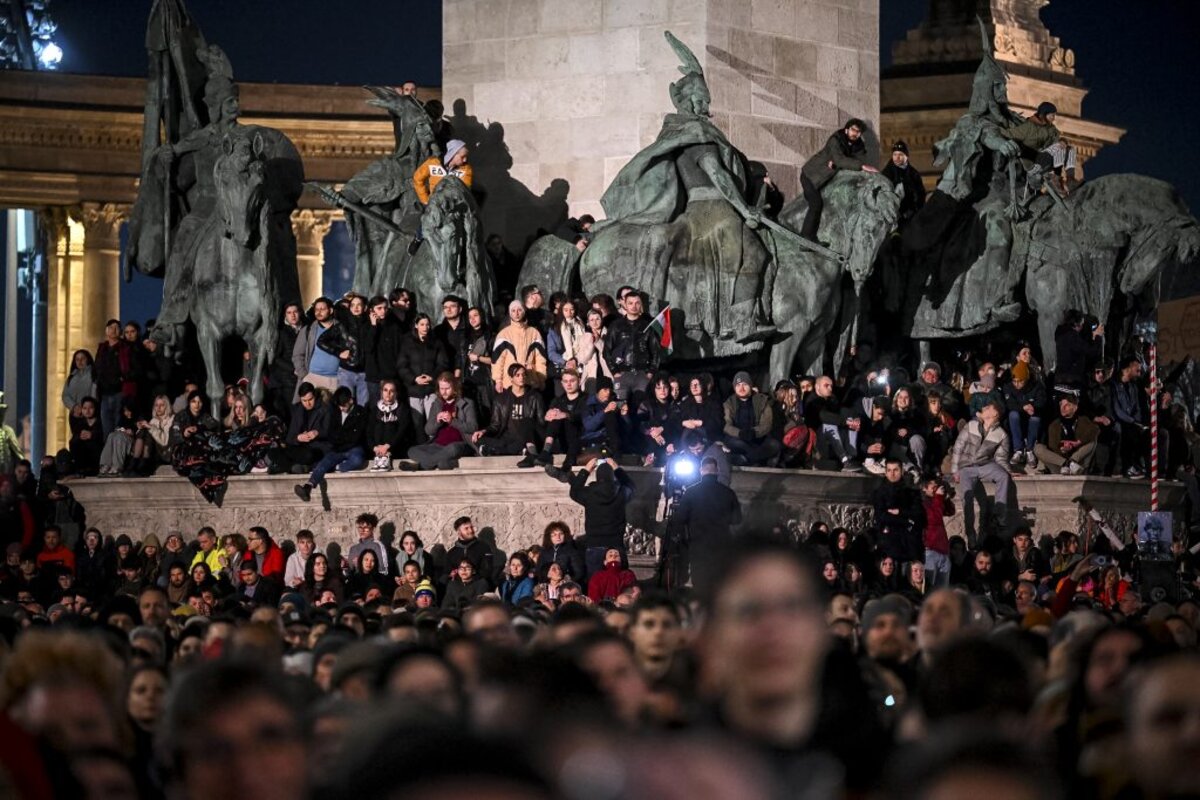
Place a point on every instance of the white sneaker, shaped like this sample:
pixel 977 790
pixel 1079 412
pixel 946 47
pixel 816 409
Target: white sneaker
pixel 1073 468
pixel 873 466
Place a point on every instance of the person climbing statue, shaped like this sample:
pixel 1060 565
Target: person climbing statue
pixel 845 149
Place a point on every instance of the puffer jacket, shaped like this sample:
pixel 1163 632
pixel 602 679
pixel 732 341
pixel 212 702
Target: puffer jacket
pixel 976 447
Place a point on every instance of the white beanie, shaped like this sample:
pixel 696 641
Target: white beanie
pixel 452 148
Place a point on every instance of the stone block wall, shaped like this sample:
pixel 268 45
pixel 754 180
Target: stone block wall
pixel 570 90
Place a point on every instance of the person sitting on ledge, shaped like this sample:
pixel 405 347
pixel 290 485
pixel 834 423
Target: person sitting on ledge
pixel 389 427
pixel 748 423
pixel 602 418
pixel 658 422
pixel 837 433
pixel 345 453
pixel 450 424
pixel 981 453
pixel 307 440
pixel 517 416
pixel 564 425
pixel 1024 395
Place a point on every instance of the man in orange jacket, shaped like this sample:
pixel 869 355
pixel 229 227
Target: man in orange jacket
pixel 433 170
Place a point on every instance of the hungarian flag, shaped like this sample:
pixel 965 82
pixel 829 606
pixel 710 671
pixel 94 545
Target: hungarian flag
pixel 661 325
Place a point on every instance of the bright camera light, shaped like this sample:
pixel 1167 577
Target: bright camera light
pixel 51 55
pixel 683 467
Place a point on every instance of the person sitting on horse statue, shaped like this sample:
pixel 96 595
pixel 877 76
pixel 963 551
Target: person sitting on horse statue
pixel 433 170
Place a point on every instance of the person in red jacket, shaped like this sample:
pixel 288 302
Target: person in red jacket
pixel 267 555
pixel 937 545
pixel 54 552
pixel 612 580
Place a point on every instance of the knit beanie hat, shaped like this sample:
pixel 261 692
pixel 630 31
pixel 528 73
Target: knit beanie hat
pixel 1020 371
pixel 452 148
pixel 900 147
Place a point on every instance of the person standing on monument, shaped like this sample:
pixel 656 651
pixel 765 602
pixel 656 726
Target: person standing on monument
pixel 901 173
pixel 844 149
pixel 631 349
pixel 518 343
pixel 312 364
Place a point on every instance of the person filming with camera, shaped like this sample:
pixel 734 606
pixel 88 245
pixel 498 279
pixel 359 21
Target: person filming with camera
pixel 703 523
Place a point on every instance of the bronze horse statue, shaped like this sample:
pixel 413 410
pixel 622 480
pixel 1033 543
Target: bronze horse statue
pixel 450 260
pixel 233 270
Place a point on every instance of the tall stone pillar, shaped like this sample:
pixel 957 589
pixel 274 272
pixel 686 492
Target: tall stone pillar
pixel 311 227
pixel 64 313
pixel 101 285
pixel 547 91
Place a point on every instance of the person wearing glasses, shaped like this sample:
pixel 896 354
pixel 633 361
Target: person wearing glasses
pixel 267 555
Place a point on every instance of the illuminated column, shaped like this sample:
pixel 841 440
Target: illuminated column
pixel 310 228
pixel 64 307
pixel 101 284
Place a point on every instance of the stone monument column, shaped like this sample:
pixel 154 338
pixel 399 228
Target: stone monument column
pixel 554 90
pixel 311 228
pixel 101 285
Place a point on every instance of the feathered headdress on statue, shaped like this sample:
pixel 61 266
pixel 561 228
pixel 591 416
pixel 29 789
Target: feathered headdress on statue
pixel 690 93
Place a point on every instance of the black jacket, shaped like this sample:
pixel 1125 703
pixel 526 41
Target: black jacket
pixel 1076 350
pixel 630 346
pixel 476 551
pixel 914 188
pixel 710 412
pixel 315 420
pixel 282 374
pixel 347 433
pixel 454 341
pixel 421 358
pixel 383 349
pixel 604 505
pixel 707 512
pixel 901 535
pixel 568 556
pixel 820 411
pixel 502 411
pixel 394 427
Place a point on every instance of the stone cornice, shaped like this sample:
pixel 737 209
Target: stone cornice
pixel 67 138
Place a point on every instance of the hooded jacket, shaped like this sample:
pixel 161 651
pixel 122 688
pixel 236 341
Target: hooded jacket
pixel 610 582
pixel 604 505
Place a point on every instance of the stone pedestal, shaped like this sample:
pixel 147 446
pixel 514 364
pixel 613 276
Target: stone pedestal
pixel 569 90
pixel 517 504
pixel 310 228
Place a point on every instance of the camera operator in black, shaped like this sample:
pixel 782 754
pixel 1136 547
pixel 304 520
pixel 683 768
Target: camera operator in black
pixel 703 522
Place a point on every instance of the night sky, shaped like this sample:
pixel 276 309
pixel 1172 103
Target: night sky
pixel 1138 60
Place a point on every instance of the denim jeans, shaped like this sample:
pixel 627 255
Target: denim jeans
pixel 356 382
pixel 937 569
pixel 110 412
pixel 343 460
pixel 1027 440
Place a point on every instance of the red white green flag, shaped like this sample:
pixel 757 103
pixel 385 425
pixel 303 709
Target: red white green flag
pixel 661 325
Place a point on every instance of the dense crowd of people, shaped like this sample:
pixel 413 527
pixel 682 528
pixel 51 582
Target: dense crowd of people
pixel 819 663
pixel 815 662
